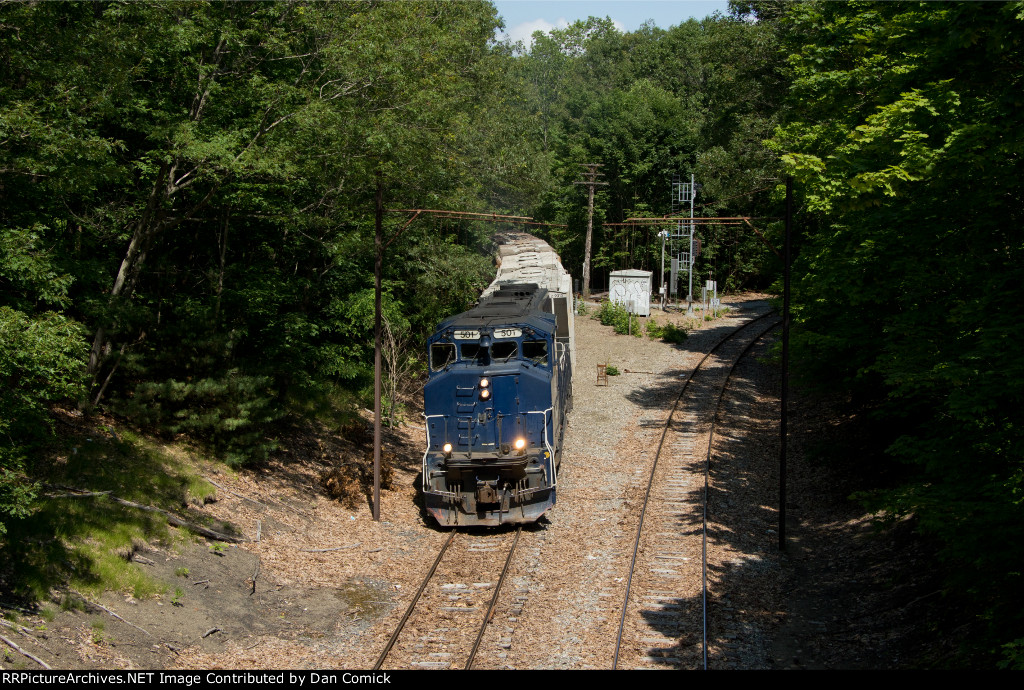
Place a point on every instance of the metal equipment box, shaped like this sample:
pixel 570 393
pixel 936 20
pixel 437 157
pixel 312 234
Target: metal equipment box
pixel 632 289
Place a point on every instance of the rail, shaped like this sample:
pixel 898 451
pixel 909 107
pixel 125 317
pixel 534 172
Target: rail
pixel 423 585
pixel 650 483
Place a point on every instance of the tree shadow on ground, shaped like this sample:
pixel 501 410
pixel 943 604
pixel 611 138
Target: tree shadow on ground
pixel 77 533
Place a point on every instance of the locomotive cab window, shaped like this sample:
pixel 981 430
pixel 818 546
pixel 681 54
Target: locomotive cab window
pixel 470 352
pixel 441 355
pixel 504 350
pixel 536 351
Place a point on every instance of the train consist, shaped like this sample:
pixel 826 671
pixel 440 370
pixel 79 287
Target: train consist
pixel 499 387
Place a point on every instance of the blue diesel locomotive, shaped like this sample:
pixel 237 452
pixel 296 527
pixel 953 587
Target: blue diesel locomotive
pixel 499 387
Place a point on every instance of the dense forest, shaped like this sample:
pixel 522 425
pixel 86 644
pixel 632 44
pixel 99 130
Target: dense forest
pixel 188 216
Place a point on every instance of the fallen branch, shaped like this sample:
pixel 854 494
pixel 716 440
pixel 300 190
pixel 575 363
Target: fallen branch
pixel 15 607
pixel 16 628
pixel 171 517
pixel 83 494
pixel 27 632
pixel 28 655
pixel 180 522
pixel 101 606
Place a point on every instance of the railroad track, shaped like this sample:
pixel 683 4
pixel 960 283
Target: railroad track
pixel 449 614
pixel 663 616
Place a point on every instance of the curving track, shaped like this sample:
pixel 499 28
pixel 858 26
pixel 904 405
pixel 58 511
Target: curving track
pixel 658 627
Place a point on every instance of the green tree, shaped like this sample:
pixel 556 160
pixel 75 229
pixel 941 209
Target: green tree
pixel 648 105
pixel 40 363
pixel 905 137
pixel 194 182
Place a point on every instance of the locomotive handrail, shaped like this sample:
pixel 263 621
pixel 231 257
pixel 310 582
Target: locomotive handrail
pixel 547 444
pixel 426 427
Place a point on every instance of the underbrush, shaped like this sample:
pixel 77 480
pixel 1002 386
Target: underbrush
pixel 77 536
pixel 330 404
pixel 616 316
pixel 669 333
pixel 229 414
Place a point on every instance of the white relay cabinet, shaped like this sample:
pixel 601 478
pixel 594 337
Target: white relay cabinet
pixel 632 286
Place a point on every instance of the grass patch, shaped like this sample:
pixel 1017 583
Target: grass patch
pixel 98 626
pixel 200 490
pixel 70 602
pixel 109 569
pixel 86 543
pixel 712 314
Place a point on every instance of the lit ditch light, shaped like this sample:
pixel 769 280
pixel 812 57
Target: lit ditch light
pixel 447 448
pixel 520 443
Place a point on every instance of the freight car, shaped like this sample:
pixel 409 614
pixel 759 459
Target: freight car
pixel 499 386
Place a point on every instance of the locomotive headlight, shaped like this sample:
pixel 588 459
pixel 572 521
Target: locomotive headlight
pixel 484 383
pixel 520 443
pixel 447 448
pixel 485 394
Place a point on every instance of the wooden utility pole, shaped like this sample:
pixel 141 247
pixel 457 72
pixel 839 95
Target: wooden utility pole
pixel 590 176
pixel 784 402
pixel 378 265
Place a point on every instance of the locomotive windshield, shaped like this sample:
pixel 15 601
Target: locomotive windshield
pixel 536 351
pixel 470 352
pixel 441 355
pixel 501 351
pixel 504 350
